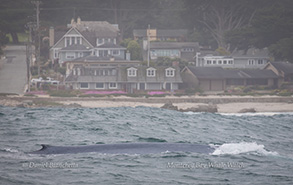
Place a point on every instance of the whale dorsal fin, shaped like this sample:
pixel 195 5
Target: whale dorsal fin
pixel 44 146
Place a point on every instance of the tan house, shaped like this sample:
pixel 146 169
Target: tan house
pixel 219 79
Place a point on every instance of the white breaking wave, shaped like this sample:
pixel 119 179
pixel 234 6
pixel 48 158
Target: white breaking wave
pixel 11 150
pixel 243 147
pixel 255 114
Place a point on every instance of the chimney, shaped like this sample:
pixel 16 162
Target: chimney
pixel 51 36
pixel 78 22
pixel 128 56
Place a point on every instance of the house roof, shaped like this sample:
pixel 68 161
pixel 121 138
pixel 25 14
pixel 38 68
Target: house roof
pixel 91 30
pixel 251 53
pixel 161 33
pixel 286 67
pixel 75 47
pixel 94 58
pixel 174 45
pixel 110 45
pixel 100 28
pixel 221 73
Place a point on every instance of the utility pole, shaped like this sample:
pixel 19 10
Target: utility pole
pixel 148 34
pixel 31 26
pixel 38 43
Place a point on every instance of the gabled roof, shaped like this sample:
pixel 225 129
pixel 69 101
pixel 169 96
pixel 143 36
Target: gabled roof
pixel 174 45
pixel 110 45
pixel 286 67
pixel 100 28
pixel 57 41
pixel 251 53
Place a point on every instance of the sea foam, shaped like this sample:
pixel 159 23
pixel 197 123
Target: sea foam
pixel 242 147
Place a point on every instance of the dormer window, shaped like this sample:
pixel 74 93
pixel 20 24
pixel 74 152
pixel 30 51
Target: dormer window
pixel 170 72
pixel 151 72
pixel 131 72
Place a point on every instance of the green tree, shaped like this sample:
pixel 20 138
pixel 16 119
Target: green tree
pixel 13 17
pixel 271 27
pixel 135 50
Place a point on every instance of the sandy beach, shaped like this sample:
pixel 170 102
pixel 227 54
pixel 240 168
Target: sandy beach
pixel 226 104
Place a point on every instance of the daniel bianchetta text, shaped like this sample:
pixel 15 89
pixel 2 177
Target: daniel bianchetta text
pixel 50 165
pixel 202 165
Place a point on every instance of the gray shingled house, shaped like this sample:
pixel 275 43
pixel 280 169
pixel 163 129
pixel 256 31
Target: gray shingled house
pixel 219 79
pixel 252 59
pixel 105 75
pixel 84 38
pixel 283 69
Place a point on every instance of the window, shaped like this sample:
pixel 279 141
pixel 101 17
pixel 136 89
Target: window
pixel 99 85
pixel 116 52
pixel 112 85
pixel 230 62
pixel 170 72
pixel 103 53
pixel 250 62
pixel 113 72
pixel 84 85
pixel 78 72
pixel 214 62
pixel 225 62
pixel 67 41
pixel 151 72
pixel 260 62
pixel 209 62
pixel 131 72
pixel 220 62
pixel 99 41
pixel 70 55
pixel 78 40
pixel 56 53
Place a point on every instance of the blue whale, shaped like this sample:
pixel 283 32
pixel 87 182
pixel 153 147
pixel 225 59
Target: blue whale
pixel 126 148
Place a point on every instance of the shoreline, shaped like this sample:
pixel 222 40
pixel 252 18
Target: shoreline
pixel 224 104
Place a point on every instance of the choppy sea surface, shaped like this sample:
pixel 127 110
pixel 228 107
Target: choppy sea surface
pixel 249 148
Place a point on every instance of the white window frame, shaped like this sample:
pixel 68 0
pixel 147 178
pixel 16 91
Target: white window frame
pixel 84 87
pixel 70 55
pixel 100 87
pixel 230 62
pixel 251 62
pixel 56 53
pixel 118 52
pixel 151 72
pixel 111 85
pixel 170 72
pixel 260 61
pixel 131 72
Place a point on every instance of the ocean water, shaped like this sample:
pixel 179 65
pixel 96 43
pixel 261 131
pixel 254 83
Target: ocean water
pixel 249 148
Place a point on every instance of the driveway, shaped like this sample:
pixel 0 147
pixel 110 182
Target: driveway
pixel 13 70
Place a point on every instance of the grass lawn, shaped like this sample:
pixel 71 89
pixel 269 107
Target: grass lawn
pixel 22 37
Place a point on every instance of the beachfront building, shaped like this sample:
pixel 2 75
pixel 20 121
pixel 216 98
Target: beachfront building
pixel 283 69
pixel 251 59
pixel 127 76
pixel 220 79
